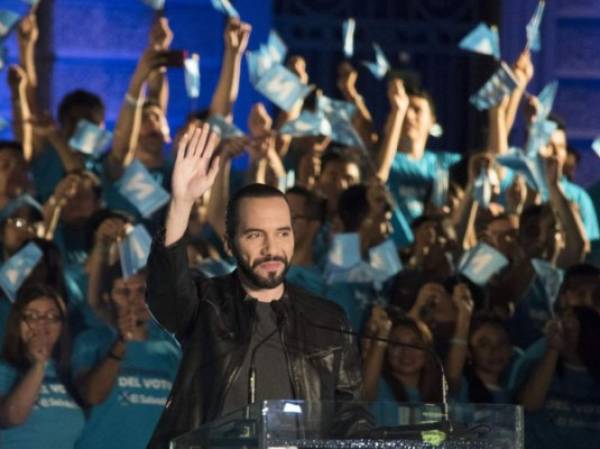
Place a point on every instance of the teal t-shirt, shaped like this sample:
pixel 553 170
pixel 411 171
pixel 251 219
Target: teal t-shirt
pixel 47 171
pixel 570 415
pixel 579 196
pixel 410 182
pixel 56 420
pixel 126 419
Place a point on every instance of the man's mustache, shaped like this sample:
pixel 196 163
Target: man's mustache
pixel 262 260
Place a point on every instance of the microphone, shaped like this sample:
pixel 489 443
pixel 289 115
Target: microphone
pixel 252 369
pixel 447 425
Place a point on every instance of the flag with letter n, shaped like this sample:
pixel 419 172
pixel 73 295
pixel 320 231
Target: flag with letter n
pixel 16 269
pixel 282 87
pixel 134 250
pixel 138 186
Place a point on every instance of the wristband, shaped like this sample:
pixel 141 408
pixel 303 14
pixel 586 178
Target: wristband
pixel 134 102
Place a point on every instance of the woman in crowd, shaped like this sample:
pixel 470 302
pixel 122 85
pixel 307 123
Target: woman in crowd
pixel 38 407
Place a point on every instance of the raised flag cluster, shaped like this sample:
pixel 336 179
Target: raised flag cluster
pixel 502 83
pixel 90 139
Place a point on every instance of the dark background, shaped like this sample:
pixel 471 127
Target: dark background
pixel 94 44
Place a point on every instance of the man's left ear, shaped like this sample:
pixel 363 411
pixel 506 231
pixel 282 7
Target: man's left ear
pixel 228 246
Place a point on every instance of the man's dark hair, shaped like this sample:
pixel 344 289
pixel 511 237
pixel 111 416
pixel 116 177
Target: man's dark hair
pixel 250 191
pixel 337 153
pixel 560 122
pixel 575 273
pixel 529 221
pixel 200 114
pixel 417 91
pixel 11 145
pixel 78 99
pixel 353 207
pixel 316 205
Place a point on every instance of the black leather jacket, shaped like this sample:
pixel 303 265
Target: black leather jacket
pixel 212 322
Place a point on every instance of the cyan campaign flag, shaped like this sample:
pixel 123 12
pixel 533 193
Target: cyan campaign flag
pixel 156 5
pixel 282 87
pixel 225 7
pixel 441 186
pixel 533 28
pixel 223 128
pixel 90 139
pixel 381 66
pixel 538 136
pixel 134 250
pixel 531 168
pixel 546 99
pixel 482 191
pixel 348 29
pixel 482 39
pixel 307 124
pixel 276 47
pixel 481 263
pixel 138 186
pixel 502 83
pixel 191 73
pixel 16 269
pixel 8 19
pixel 551 278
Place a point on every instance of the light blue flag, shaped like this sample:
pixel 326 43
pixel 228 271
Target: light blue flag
pixel 335 109
pixel 191 73
pixel 596 146
pixel 530 167
pixel 225 7
pixel 8 19
pixel 16 269
pixel 344 133
pixel 482 39
pixel 481 263
pixel 223 128
pixel 348 29
pixel 276 47
pixel 156 5
pixel 441 186
pixel 13 205
pixel 502 83
pixel 551 278
pixel 3 57
pixel 482 192
pixel 282 87
pixel 134 250
pixel 546 99
pixel 381 66
pixel 259 63
pixel 31 2
pixel 384 261
pixel 138 186
pixel 90 139
pixel 533 28
pixel 307 124
pixel 344 251
pixel 538 136
pixel 3 124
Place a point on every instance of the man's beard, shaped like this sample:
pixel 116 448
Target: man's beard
pixel 273 280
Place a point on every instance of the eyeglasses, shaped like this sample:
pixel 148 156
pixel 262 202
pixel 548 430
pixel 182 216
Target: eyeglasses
pixel 20 223
pixel 33 318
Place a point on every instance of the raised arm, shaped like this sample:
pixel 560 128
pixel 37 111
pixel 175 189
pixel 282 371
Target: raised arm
pixel 17 82
pixel 346 82
pixel 236 37
pixel 523 70
pixel 16 406
pixel 161 37
pixel 374 352
pixel 576 242
pixel 393 127
pixel 27 36
pixel 172 294
pixel 457 354
pixel 127 131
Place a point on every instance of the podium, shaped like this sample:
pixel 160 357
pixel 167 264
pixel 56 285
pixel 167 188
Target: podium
pixel 295 424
